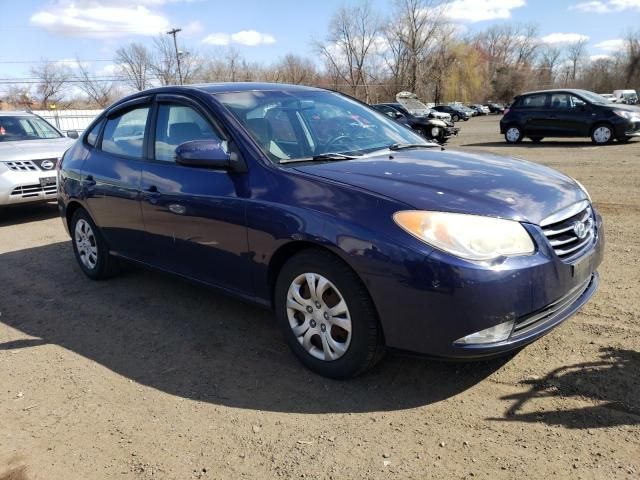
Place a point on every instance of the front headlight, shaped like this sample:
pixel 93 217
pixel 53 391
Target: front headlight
pixel 633 116
pixel 472 237
pixel 584 190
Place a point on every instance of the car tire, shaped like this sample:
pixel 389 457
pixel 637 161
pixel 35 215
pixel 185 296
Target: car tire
pixel 455 118
pixel 602 134
pixel 513 134
pixel 353 340
pixel 90 249
pixel 466 119
pixel 624 139
pixel 536 139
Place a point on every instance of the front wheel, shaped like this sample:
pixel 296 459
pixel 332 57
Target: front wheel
pixel 513 135
pixel 536 139
pixel 90 249
pixel 327 316
pixel 602 135
pixel 455 118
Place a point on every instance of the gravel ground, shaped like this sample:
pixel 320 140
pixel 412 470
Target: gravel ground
pixel 145 376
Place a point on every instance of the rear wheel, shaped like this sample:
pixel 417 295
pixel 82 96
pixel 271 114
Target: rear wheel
pixel 327 316
pixel 602 134
pixel 455 118
pixel 624 139
pixel 536 139
pixel 90 249
pixel 513 134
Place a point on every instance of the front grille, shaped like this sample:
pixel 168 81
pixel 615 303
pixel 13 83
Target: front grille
pixel 570 230
pixel 529 322
pixel 28 191
pixel 22 166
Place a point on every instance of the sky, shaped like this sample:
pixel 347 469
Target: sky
pixel 263 30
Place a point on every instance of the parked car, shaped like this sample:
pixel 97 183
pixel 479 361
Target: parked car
pixel 360 234
pixel 409 101
pixel 30 148
pixel 480 109
pixel 569 113
pixel 610 97
pixel 456 113
pixel 430 128
pixel 469 111
pixel 630 97
pixel 496 108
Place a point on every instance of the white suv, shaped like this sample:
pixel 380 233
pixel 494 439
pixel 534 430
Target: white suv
pixel 30 149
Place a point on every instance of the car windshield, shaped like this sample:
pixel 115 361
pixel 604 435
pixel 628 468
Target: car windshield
pixel 290 125
pixel 25 127
pixel 593 97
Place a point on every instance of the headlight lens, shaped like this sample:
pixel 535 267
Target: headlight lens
pixel 634 116
pixel 472 237
pixel 583 189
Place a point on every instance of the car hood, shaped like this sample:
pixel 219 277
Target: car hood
pixel 34 149
pixel 453 181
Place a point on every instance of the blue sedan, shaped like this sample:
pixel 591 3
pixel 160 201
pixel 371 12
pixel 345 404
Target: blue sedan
pixel 358 233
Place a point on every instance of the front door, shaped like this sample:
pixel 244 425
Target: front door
pixel 194 217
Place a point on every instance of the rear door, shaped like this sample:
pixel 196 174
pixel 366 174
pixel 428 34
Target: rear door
pixel 534 115
pixel 194 217
pixel 111 178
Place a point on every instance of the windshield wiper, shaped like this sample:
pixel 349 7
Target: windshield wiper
pixel 404 146
pixel 321 156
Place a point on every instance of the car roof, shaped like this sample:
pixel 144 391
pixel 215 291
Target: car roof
pixel 224 87
pixel 577 91
pixel 15 113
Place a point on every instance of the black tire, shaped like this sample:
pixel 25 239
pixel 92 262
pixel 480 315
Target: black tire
pixel 455 118
pixel 105 266
pixel 513 134
pixel 599 137
pixel 536 139
pixel 366 346
pixel 624 139
pixel 466 119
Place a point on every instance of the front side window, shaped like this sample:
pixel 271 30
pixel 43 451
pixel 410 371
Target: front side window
pixel 14 128
pixel 294 125
pixel 124 134
pixel 176 125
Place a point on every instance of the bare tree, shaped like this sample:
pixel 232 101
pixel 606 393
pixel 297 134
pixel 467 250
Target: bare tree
pixel 350 43
pixel 135 64
pixel 632 53
pixel 576 52
pixel 52 79
pixel 416 26
pixel 18 96
pixel 294 69
pixel 98 90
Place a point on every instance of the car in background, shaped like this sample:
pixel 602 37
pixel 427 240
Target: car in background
pixel 609 96
pixel 569 113
pixel 430 128
pixel 470 111
pixel 410 102
pixel 456 112
pixel 30 148
pixel 630 97
pixel 479 109
pixel 496 108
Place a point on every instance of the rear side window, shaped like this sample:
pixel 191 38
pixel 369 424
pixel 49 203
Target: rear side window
pixel 124 134
pixel 533 101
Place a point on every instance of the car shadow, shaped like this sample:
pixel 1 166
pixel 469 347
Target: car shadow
pixel 611 383
pixel 19 214
pixel 189 341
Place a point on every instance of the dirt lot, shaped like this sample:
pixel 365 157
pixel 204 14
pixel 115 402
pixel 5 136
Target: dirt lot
pixel 145 376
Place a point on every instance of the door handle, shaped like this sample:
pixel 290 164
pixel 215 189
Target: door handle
pixel 89 181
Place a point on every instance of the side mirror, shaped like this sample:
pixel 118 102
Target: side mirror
pixel 398 115
pixel 72 134
pixel 203 154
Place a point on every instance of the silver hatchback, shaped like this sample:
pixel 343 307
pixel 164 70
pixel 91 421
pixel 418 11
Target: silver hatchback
pixel 30 149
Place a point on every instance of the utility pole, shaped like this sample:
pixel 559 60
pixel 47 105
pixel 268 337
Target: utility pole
pixel 175 45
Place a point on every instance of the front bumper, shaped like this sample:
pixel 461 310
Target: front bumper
pixel 434 301
pixel 18 187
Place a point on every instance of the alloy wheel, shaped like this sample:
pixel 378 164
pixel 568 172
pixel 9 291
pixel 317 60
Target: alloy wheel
pixel 319 316
pixel 86 244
